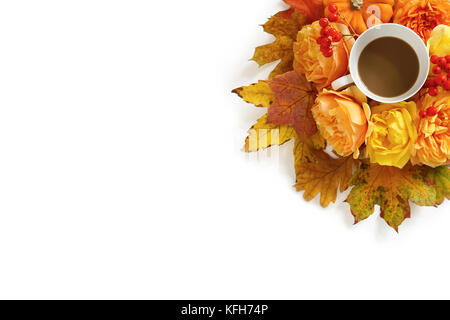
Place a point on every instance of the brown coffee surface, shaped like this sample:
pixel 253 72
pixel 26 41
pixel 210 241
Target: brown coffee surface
pixel 388 67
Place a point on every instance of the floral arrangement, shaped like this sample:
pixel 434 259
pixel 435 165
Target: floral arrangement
pixel 388 154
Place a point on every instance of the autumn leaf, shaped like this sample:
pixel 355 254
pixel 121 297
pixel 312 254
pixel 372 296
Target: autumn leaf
pixel 284 26
pixel 317 172
pixel 289 98
pixel 392 189
pixel 304 150
pixel 313 9
pixel 258 94
pixel 282 49
pixel 264 135
pixel 294 97
pixel 279 25
pixel 440 178
pixel 317 141
pixel 286 14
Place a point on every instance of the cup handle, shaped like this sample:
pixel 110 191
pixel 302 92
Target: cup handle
pixel 342 82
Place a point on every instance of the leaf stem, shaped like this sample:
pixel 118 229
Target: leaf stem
pixel 348 24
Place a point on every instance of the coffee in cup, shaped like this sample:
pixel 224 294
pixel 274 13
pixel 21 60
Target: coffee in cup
pixel 389 63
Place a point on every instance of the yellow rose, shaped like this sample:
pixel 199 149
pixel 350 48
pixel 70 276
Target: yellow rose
pixel 309 59
pixel 439 42
pixel 393 133
pixel 341 119
pixel 433 143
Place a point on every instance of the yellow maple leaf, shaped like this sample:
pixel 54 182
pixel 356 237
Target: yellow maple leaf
pixel 392 189
pixel 258 94
pixel 317 172
pixel 263 135
pixel 285 31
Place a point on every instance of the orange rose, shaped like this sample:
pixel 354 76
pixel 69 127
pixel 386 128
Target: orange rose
pixel 433 144
pixel 341 118
pixel 422 16
pixel 310 61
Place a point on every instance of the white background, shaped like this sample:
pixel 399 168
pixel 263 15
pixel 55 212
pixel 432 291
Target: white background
pixel 122 175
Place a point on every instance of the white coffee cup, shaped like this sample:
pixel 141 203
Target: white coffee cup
pixel 380 31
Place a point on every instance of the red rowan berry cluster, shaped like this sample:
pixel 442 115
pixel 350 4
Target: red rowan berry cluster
pixel 442 64
pixel 430 112
pixel 328 34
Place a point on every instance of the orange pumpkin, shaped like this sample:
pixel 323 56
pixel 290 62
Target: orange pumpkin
pixel 363 14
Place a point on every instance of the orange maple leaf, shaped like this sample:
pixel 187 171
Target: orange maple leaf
pixel 313 9
pixel 286 14
pixel 294 97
